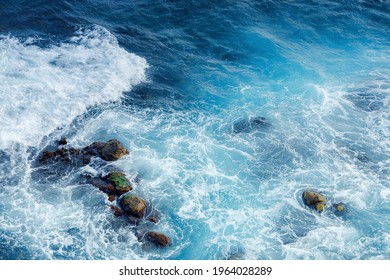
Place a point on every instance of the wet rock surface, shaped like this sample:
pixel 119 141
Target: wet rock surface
pixel 314 200
pixel 117 211
pixel 114 184
pixel 113 150
pixel 158 239
pixel 120 182
pixel 133 205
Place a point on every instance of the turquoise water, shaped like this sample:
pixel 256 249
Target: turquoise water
pixel 177 82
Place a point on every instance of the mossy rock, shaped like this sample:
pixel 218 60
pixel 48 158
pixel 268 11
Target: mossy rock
pixel 113 150
pixel 120 182
pixel 133 205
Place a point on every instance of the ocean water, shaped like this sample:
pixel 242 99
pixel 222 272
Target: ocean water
pixel 181 85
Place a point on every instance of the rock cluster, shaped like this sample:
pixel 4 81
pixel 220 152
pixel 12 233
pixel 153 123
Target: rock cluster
pixel 115 184
pixel 109 151
pixel 318 202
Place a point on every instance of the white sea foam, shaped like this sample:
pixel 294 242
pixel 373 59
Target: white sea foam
pixel 42 89
pixel 326 243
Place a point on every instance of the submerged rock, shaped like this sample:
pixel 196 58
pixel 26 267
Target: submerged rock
pixel 340 209
pixel 153 220
pixel 158 239
pixel 369 99
pixel 117 211
pixel 113 150
pixel 133 205
pixel 62 141
pixel 248 125
pixel 314 200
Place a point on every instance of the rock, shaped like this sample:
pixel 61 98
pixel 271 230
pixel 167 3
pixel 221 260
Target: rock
pixel 248 125
pixel 133 205
pixel 115 183
pixel 113 150
pixel 314 200
pixel 120 182
pixel 111 198
pixel 107 188
pixel 320 207
pixel 102 185
pixel 46 156
pixel 153 220
pixel 63 141
pixel 158 239
pixel 340 209
pixel 117 211
pixel 110 151
pixel 64 155
pixel 95 149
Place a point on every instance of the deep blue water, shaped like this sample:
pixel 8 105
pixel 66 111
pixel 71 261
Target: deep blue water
pixel 181 84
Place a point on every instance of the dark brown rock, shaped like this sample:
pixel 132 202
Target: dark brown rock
pixel 158 239
pixel 94 149
pixel 153 220
pixel 62 154
pixel 117 211
pixel 62 141
pixel 113 150
pixel 46 156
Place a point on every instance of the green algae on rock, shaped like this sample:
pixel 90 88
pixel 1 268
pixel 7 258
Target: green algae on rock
pixel 119 182
pixel 133 205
